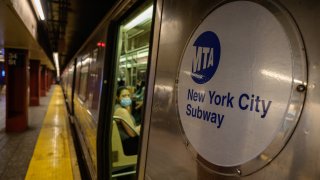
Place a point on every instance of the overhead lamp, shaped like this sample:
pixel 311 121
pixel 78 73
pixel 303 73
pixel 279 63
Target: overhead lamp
pixel 145 15
pixel 56 62
pixel 39 9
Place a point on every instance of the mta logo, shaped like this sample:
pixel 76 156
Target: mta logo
pixel 206 57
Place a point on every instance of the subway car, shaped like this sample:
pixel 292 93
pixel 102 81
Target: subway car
pixel 207 89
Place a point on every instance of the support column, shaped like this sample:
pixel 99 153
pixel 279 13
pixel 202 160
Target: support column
pixel 43 83
pixel 48 82
pixel 16 61
pixel 35 82
pixel 51 77
pixel 48 79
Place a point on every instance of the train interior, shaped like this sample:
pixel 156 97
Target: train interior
pixel 132 62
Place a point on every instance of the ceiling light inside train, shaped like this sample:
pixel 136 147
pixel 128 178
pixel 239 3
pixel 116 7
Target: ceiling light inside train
pixel 56 62
pixel 1 55
pixel 143 17
pixel 39 9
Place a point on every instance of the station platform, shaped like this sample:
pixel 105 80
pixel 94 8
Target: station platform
pixel 2 107
pixel 45 150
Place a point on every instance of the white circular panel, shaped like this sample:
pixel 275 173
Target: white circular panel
pixel 235 83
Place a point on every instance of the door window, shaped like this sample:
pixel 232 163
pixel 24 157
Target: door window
pixel 131 75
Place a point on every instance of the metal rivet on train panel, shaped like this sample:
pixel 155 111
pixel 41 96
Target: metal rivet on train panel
pixel 187 143
pixel 239 171
pixel 301 88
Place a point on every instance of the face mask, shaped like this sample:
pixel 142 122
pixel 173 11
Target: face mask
pixel 125 102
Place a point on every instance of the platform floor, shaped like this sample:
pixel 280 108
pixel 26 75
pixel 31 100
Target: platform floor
pixel 53 157
pixel 17 149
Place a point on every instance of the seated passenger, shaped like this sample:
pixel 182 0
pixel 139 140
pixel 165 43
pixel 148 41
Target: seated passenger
pixel 138 97
pixel 123 110
pixel 140 87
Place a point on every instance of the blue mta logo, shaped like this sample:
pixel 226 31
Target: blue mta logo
pixel 206 57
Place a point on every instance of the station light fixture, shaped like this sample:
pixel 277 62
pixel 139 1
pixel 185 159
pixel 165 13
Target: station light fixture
pixel 56 62
pixel 144 16
pixel 39 9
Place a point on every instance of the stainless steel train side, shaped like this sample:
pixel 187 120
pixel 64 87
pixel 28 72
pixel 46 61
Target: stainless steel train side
pixel 165 154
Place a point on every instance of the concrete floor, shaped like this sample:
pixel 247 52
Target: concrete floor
pixel 16 149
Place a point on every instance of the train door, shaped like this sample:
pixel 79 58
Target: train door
pixel 127 79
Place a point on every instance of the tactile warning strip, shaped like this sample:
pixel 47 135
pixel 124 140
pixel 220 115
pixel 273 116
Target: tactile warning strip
pixel 51 158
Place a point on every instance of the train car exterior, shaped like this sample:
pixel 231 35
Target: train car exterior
pixel 67 84
pixel 251 44
pixel 231 89
pixel 85 85
pixel 86 71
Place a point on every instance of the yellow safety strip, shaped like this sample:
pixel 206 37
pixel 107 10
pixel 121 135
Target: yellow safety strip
pixel 51 158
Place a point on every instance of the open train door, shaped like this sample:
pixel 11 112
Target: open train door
pixel 125 86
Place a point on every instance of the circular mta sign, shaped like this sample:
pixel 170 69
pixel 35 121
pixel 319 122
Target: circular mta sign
pixel 237 97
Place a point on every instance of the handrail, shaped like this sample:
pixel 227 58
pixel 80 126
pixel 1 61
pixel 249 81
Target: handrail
pixel 123 174
pixel 122 120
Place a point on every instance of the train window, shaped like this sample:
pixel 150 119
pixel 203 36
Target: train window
pixel 84 78
pixel 132 59
pixel 78 66
pixel 93 85
pixel 69 75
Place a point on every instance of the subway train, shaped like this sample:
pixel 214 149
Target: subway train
pixel 230 90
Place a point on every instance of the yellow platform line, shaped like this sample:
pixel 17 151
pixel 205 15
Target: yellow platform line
pixel 51 158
